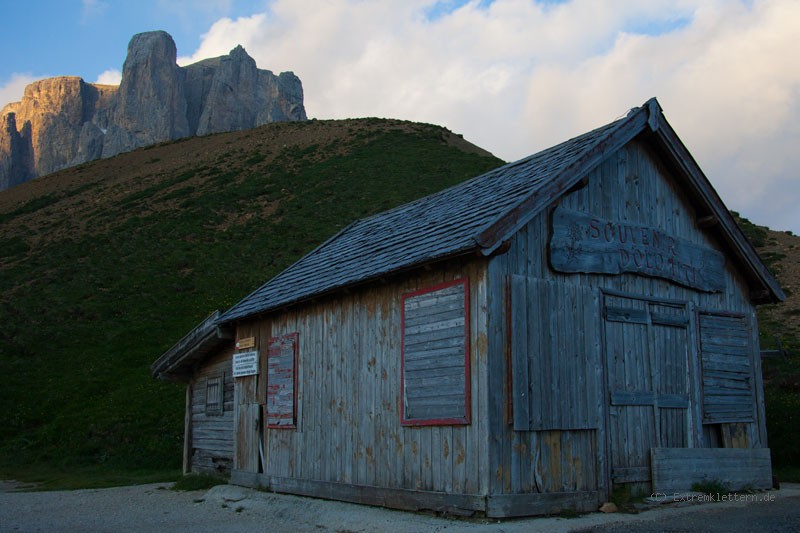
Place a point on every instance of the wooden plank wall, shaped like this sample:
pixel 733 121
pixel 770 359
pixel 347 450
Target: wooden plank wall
pixel 630 186
pixel 348 398
pixel 559 456
pixel 554 356
pixel 211 449
pixel 676 469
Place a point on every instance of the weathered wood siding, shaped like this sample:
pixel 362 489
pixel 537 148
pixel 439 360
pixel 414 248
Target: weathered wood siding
pixel 555 366
pixel 578 320
pixel 676 469
pixel 211 435
pixel 348 421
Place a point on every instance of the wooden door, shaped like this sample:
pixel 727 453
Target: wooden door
pixel 247 425
pixel 646 353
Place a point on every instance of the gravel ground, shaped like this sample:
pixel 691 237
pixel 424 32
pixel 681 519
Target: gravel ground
pixel 231 509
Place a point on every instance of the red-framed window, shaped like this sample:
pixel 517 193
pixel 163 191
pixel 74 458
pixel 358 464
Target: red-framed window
pixel 435 369
pixel 282 381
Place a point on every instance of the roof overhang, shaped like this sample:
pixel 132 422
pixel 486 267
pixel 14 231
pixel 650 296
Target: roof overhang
pixel 177 363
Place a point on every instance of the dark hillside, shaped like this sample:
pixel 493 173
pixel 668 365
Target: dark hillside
pixel 106 265
pixel 780 334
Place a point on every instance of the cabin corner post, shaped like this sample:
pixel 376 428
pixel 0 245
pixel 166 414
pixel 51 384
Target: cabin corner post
pixel 187 431
pixel 497 374
pixel 695 415
pixel 761 415
pixel 604 485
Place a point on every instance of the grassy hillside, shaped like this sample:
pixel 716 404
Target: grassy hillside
pixel 779 327
pixel 103 267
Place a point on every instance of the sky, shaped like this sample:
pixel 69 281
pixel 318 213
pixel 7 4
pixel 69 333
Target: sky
pixel 512 76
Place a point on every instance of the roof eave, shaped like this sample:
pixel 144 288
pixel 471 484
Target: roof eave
pixel 474 251
pixel 176 363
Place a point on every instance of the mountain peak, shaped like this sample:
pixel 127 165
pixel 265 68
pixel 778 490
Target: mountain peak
pixel 70 121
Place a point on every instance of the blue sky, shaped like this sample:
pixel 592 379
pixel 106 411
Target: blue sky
pixel 85 38
pixel 513 76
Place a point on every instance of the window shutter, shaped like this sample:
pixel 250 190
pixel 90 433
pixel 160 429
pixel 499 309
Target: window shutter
pixel 436 355
pixel 214 396
pixel 727 368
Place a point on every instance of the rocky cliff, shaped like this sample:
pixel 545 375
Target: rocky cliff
pixel 65 121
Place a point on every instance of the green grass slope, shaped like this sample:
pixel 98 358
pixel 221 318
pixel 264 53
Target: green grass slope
pixel 103 267
pixel 779 329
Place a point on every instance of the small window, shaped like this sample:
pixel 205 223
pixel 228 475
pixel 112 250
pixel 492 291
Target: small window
pixel 282 381
pixel 214 398
pixel 435 355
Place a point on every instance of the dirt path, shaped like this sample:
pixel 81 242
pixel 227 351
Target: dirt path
pixel 227 508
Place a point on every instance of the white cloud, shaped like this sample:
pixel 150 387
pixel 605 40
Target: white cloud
pixel 109 77
pixel 90 9
pixel 516 76
pixel 12 90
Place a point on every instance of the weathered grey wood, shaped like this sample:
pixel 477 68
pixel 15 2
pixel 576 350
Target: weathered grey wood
pixel 672 401
pixel 520 360
pixel 210 463
pixel 208 445
pixel 187 431
pixel 409 500
pixel 512 505
pixel 726 360
pixel 664 319
pixel 560 391
pixel 582 242
pixel 630 474
pixel 623 314
pixel 348 415
pixel 434 348
pixel 648 373
pixel 676 469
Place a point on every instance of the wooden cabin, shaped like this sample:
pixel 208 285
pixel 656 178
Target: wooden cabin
pixel 522 343
pixel 202 360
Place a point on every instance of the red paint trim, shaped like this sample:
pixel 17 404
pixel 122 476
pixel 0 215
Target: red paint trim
pixel 294 338
pixel 467 367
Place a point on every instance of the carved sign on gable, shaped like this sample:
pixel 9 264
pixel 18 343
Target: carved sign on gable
pixel 583 243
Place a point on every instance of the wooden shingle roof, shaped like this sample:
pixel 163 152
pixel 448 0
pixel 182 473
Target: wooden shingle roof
pixel 478 215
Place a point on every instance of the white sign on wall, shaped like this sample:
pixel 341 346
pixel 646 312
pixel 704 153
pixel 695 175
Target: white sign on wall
pixel 245 364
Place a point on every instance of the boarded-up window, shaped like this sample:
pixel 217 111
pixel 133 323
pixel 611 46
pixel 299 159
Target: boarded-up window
pixel 435 355
pixel 214 395
pixel 281 381
pixel 727 368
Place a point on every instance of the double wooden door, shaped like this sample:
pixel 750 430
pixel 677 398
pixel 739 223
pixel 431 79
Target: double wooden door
pixel 647 347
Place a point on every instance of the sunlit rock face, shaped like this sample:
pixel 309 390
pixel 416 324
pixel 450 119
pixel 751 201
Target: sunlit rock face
pixel 65 121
